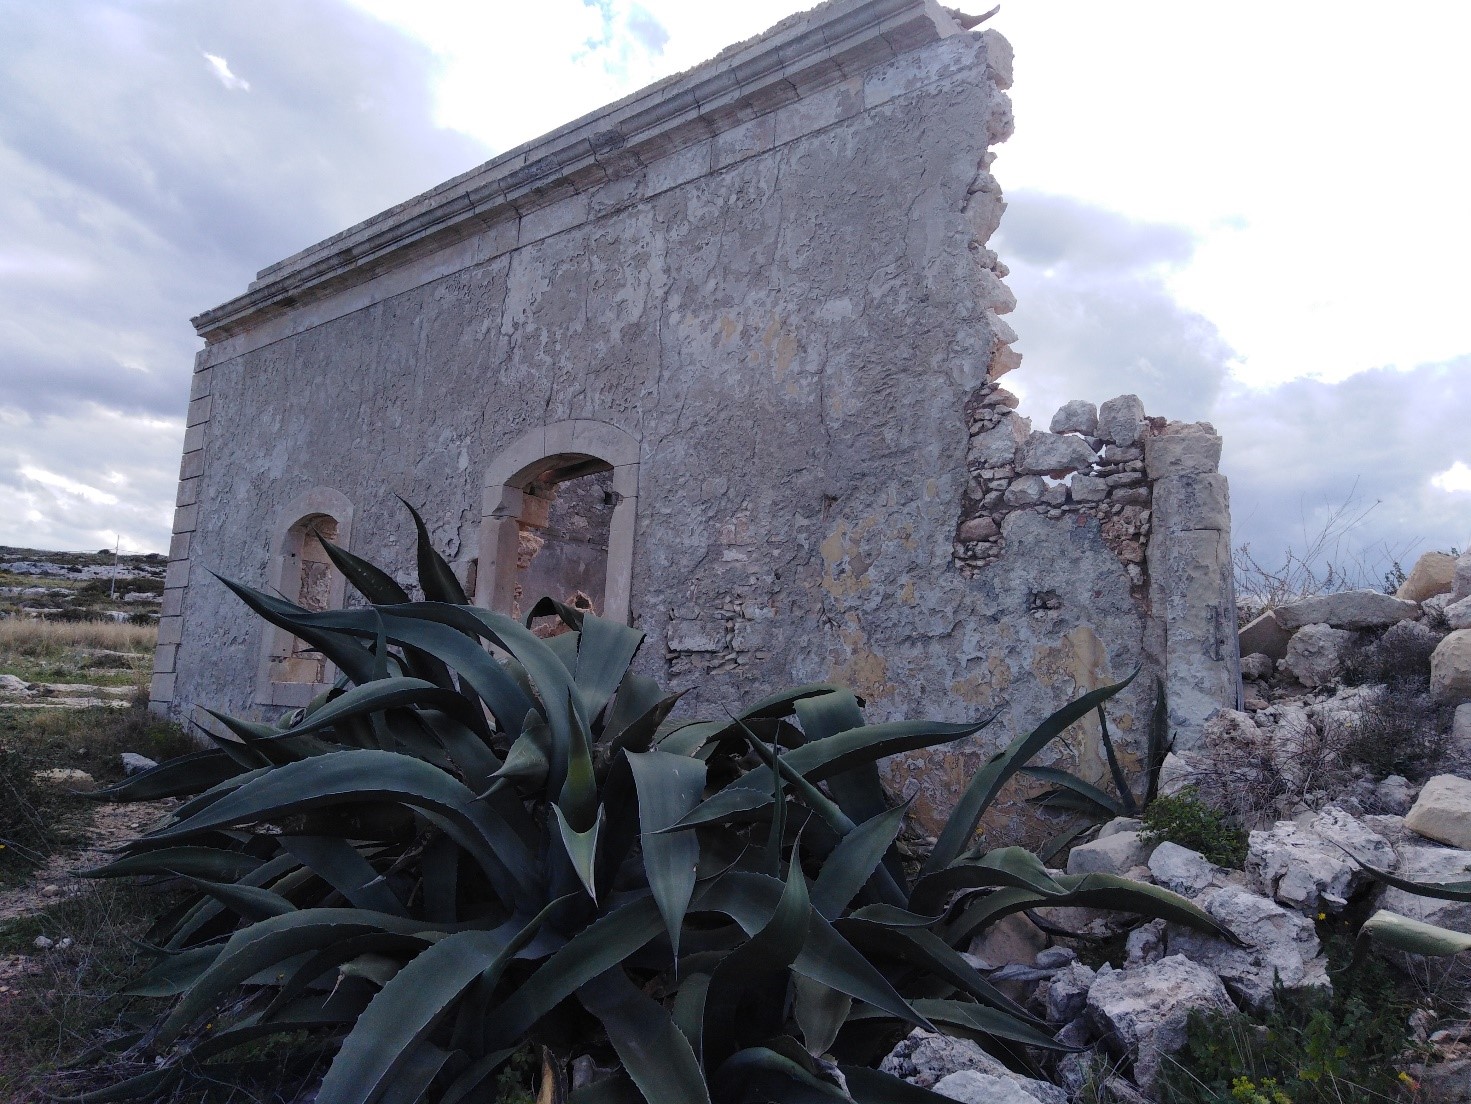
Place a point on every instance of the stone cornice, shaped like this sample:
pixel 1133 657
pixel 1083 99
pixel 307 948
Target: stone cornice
pixel 808 52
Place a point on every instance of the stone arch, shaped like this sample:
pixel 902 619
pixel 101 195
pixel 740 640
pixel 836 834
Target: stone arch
pixel 517 501
pixel 290 673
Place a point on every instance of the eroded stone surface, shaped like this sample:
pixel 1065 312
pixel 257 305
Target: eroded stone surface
pixel 1442 812
pixel 1305 865
pixel 1315 654
pixel 1434 573
pixel 1141 1013
pixel 1350 609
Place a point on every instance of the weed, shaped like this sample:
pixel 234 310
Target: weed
pixel 1187 820
pixel 1312 1049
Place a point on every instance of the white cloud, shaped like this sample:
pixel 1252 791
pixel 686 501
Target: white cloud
pixel 1457 477
pixel 221 69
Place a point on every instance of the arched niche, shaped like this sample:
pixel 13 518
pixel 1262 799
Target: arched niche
pixel 535 489
pixel 291 674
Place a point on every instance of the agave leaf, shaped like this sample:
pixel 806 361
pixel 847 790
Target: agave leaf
pixel 781 703
pixel 582 849
pixel 357 776
pixel 349 655
pixel 1159 739
pixel 390 693
pixel 342 866
pixel 214 863
pixel 970 1020
pixel 1005 866
pixel 175 973
pixel 1000 767
pixel 820 1012
pixel 871 1086
pixel 653 1051
pixel 804 789
pixel 854 860
pixel 688 1011
pixel 976 915
pixel 267 943
pixel 1404 934
pixel 191 773
pixel 758 1074
pixel 153 1085
pixel 1126 794
pixel 326 1010
pixel 605 648
pixel 750 899
pixel 689 737
pixel 822 759
pixel 636 695
pixel 638 734
pixel 527 761
pixel 400 1018
pixel 1105 804
pixel 209 908
pixel 374 584
pixel 748 990
pixel 436 579
pixel 578 800
pixel 724 805
pixel 1113 891
pixel 858 790
pixel 471 1078
pixel 924 950
pixel 1443 891
pixel 251 902
pixel 599 947
pixel 315 964
pixel 668 787
pixel 614 1089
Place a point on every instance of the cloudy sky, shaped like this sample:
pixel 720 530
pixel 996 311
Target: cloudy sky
pixel 1252 215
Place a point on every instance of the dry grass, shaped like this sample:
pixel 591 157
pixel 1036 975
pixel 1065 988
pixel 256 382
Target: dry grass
pixel 33 637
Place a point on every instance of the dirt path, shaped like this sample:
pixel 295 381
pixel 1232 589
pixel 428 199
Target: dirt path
pixel 56 880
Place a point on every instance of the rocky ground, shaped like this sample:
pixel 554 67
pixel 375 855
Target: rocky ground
pixel 1353 750
pixel 81 585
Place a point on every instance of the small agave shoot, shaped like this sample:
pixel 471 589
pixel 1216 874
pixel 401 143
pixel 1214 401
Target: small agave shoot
pixel 461 850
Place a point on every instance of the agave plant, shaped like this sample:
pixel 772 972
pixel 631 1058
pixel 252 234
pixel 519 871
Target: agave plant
pixel 483 838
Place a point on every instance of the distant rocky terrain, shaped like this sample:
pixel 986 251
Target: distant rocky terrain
pixel 81 586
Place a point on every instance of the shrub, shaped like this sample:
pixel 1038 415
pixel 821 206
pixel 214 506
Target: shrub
pixel 1400 730
pixel 451 855
pixel 1311 1049
pixel 1400 657
pixel 1187 820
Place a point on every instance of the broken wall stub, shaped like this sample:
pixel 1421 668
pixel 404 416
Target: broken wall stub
pixel 758 297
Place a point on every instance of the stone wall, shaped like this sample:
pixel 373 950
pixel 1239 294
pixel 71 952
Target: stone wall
pixel 760 294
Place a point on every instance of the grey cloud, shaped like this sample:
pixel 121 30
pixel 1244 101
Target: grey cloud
pixel 1046 230
pixel 1094 316
pixel 129 157
pixel 1296 452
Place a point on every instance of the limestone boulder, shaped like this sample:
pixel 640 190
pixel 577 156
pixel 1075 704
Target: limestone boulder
pixel 1257 665
pixel 1076 417
pixel 1394 795
pixel 1424 863
pixel 1461 729
pixel 1434 573
pixel 1115 854
pixel 1304 865
pixel 1280 946
pixel 1141 1013
pixel 1182 454
pixel 1055 455
pixel 68 779
pixel 1315 654
pixel 974 1087
pixel 1121 421
pixel 9 684
pixel 1265 635
pixel 1350 609
pixel 1461 578
pixel 1458 614
pixel 133 763
pixel 1184 871
pixel 1088 488
pixel 1450 668
pixel 1067 992
pixel 926 1059
pixel 1442 812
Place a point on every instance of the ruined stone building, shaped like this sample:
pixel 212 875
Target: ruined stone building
pixel 721 358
